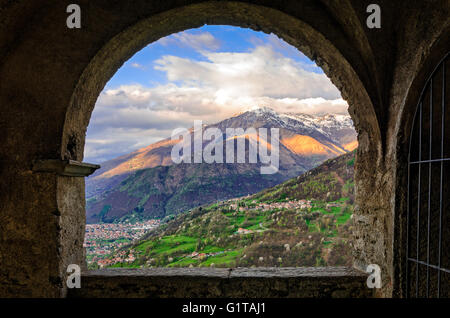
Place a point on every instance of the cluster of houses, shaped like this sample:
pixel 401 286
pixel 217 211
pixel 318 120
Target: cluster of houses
pixel 289 204
pixel 119 257
pixel 197 255
pixel 243 231
pixel 105 238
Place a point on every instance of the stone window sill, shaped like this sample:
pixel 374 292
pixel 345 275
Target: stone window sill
pixel 262 282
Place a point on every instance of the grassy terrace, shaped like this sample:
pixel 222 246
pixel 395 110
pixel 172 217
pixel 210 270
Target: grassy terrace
pixel 176 250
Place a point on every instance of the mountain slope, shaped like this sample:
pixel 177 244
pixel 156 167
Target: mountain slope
pixel 168 190
pixel 305 221
pixel 147 183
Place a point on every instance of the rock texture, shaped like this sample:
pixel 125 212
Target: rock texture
pixel 50 77
pixel 335 282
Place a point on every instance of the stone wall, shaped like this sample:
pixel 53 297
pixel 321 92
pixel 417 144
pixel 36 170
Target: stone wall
pixel 336 282
pixel 50 77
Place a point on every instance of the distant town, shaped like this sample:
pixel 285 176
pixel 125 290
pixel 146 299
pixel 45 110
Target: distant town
pixel 105 238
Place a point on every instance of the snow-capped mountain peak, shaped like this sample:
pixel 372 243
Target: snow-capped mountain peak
pixel 262 110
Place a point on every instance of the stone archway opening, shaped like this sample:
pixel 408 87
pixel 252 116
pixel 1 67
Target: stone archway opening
pixel 295 32
pixel 136 207
pixel 334 36
pixel 52 75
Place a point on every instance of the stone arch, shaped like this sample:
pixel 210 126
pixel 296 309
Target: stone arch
pixel 294 31
pixel 51 77
pixel 313 43
pixel 351 78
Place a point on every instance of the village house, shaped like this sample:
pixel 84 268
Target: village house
pixel 243 231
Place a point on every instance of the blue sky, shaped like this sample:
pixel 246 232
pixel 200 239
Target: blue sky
pixel 208 74
pixel 140 68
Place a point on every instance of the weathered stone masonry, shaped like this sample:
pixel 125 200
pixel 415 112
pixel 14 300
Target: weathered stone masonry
pixel 50 77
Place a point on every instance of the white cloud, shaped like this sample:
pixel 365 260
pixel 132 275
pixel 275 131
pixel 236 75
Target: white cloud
pixel 133 116
pixel 137 65
pixel 198 41
pixel 261 72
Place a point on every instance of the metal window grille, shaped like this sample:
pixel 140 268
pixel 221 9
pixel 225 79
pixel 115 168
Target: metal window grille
pixel 428 217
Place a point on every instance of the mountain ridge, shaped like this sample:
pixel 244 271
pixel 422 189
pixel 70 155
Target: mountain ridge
pixel 305 142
